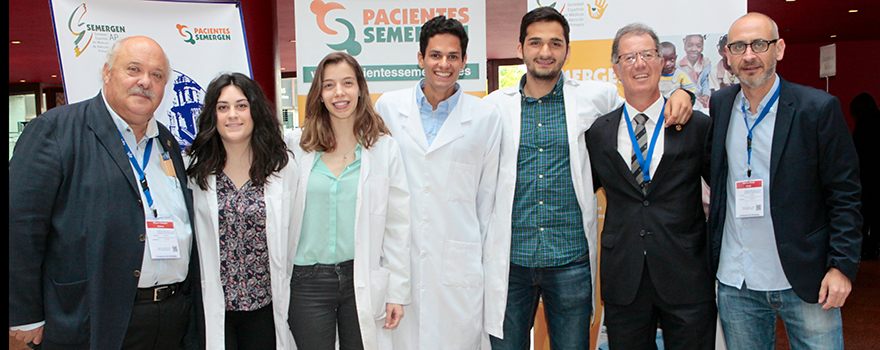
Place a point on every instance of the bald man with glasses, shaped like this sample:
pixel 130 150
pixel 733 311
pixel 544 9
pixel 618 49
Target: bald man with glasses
pixel 784 221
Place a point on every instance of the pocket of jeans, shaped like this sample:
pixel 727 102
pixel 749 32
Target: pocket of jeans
pixel 462 264
pixel 378 288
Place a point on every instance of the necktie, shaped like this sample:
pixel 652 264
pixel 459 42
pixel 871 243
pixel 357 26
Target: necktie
pixel 642 139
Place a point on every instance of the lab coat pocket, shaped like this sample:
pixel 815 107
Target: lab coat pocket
pixel 377 190
pixel 462 264
pixel 378 287
pixel 461 184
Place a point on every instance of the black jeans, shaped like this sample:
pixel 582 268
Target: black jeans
pixel 322 298
pixel 250 329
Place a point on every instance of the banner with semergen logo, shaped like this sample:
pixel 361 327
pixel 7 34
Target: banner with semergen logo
pixel 383 36
pixel 201 39
pixel 693 27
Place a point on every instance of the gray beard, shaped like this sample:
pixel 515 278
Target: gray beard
pixel 759 81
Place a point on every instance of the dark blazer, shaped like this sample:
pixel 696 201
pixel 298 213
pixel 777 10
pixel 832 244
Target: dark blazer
pixel 75 227
pixel 668 222
pixel 814 186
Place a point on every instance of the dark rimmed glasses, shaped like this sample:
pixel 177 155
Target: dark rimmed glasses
pixel 758 46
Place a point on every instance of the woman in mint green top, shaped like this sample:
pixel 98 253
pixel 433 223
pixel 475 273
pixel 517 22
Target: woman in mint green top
pixel 328 219
pixel 352 261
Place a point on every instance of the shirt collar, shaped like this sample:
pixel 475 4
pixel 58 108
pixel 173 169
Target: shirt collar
pixel 124 128
pixel 446 104
pixel 653 111
pixel 744 102
pixel 557 89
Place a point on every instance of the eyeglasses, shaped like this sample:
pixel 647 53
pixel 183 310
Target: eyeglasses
pixel 758 46
pixel 629 59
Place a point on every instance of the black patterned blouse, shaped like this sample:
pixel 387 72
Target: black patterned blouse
pixel 244 256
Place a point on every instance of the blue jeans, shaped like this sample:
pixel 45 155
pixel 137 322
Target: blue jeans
pixel 567 294
pixel 748 319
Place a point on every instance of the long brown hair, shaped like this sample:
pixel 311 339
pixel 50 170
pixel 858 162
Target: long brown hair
pixel 317 132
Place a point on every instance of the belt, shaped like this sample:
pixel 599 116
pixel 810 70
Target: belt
pixel 158 293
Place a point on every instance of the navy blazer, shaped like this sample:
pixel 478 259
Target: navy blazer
pixel 665 227
pixel 814 186
pixel 76 224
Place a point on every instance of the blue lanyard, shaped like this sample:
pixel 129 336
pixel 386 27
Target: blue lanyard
pixel 750 129
pixel 644 163
pixel 142 177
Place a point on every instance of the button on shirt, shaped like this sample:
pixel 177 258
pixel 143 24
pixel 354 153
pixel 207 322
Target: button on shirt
pixel 167 200
pixel 432 119
pixel 748 246
pixel 547 224
pixel 328 218
pixel 624 141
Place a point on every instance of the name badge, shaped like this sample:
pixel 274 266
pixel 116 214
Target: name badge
pixel 163 239
pixel 749 198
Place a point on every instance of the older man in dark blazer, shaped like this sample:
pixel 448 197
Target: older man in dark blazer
pixel 784 214
pixel 89 183
pixel 655 266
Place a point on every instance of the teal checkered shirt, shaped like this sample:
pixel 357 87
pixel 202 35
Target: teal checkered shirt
pixel 548 228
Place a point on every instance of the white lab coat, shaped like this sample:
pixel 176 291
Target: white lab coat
pixel 585 101
pixel 452 184
pixel 381 233
pixel 279 192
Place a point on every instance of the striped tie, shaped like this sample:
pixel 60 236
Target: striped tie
pixel 642 139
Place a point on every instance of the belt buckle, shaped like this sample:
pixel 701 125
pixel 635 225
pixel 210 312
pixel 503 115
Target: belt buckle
pixel 156 292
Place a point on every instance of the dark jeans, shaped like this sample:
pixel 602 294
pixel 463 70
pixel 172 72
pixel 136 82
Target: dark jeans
pixel 322 298
pixel 250 329
pixel 159 325
pixel 567 295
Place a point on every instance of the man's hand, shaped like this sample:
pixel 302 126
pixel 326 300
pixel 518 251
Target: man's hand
pixel 393 314
pixel 835 288
pixel 32 336
pixel 678 108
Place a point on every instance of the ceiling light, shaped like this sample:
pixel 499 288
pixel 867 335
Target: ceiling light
pixel 21 81
pixel 853 11
pixel 282 68
pixel 834 36
pixel 293 41
pixel 54 75
pixel 16 42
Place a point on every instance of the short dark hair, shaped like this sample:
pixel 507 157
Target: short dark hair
pixel 442 25
pixel 267 142
pixel 543 14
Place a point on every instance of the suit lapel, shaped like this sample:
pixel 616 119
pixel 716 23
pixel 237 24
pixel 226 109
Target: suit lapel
pixel 672 140
pixel 101 123
pixel 784 117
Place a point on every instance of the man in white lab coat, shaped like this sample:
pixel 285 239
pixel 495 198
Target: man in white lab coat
pixel 450 143
pixel 545 206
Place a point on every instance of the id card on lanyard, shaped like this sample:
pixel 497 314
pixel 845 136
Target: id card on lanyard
pixel 161 235
pixel 750 192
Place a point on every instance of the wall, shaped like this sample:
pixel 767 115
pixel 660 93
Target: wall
pixel 858 70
